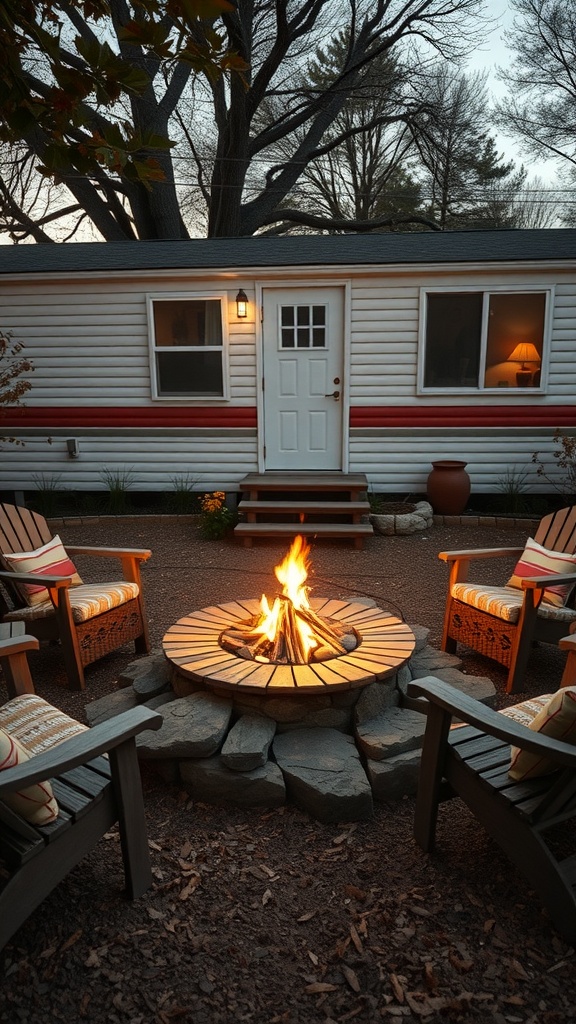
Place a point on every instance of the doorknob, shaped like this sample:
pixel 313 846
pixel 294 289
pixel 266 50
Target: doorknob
pixel 335 395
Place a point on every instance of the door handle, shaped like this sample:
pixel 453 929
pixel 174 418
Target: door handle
pixel 335 395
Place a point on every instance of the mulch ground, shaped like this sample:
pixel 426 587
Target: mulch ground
pixel 269 916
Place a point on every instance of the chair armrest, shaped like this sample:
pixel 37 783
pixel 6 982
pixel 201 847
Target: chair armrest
pixel 541 582
pixel 36 577
pixel 80 748
pixel 568 643
pixel 466 709
pixel 473 553
pixel 16 644
pixel 141 554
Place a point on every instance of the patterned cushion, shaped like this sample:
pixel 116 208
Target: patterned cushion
pixel 86 602
pixel 538 561
pixel 51 559
pixel 35 724
pixel 526 712
pixel 557 719
pixel 506 602
pixel 35 803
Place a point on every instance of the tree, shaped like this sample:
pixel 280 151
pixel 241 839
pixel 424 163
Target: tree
pixel 12 365
pixel 462 168
pixel 540 108
pixel 136 64
pixel 361 173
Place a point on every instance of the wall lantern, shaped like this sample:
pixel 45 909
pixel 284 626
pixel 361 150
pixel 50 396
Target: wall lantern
pixel 241 305
pixel 73 448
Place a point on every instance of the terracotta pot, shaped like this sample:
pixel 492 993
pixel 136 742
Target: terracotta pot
pixel 448 487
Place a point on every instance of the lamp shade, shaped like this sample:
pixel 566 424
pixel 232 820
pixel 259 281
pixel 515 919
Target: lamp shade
pixel 525 352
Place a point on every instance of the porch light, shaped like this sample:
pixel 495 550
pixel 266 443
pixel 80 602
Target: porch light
pixel 241 304
pixel 525 352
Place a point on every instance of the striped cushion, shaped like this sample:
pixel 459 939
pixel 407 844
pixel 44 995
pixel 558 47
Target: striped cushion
pixel 50 559
pixel 35 724
pixel 35 803
pixel 526 712
pixel 557 719
pixel 538 561
pixel 86 602
pixel 505 602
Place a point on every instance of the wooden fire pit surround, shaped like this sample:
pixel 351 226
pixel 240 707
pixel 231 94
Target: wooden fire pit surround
pixel 194 646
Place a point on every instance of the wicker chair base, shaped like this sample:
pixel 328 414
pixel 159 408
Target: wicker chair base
pixel 107 632
pixel 482 632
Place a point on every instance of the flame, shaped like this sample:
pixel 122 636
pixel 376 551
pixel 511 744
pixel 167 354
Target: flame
pixel 292 573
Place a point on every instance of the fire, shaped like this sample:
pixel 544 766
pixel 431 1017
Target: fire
pixel 288 630
pixel 292 573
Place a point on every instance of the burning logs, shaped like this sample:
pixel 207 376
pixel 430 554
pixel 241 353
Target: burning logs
pixel 299 636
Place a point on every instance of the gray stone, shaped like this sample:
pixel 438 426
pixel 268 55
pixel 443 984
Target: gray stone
pixel 323 774
pixel 160 700
pixel 110 705
pixel 479 687
pixel 391 733
pixel 193 726
pixel 421 634
pixel 375 699
pixel 148 676
pixel 211 782
pixel 329 718
pixel 430 661
pixel 396 777
pixel 421 517
pixel 247 744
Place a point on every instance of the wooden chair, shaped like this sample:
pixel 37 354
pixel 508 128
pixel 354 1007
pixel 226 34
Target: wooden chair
pixel 472 762
pixel 93 792
pixel 507 642
pixel 83 642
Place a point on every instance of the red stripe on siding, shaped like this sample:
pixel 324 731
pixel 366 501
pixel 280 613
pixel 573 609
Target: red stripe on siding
pixel 456 416
pixel 113 416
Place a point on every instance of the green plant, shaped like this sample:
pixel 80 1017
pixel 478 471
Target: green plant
pixel 564 457
pixel 118 482
pixel 513 484
pixel 45 498
pixel 216 519
pixel 181 499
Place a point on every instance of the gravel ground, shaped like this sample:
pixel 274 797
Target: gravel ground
pixel 271 917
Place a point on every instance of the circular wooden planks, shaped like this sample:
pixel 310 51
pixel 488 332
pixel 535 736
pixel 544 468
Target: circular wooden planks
pixel 192 645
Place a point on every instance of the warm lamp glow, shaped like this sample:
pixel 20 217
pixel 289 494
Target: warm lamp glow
pixel 241 304
pixel 525 352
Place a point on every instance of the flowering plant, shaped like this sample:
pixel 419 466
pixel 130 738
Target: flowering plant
pixel 216 519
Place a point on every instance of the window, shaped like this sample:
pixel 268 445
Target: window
pixel 303 326
pixel 475 340
pixel 187 344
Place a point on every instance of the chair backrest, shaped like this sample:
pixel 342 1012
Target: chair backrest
pixel 20 530
pixel 557 531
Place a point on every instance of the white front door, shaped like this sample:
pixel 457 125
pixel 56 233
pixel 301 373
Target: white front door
pixel 303 361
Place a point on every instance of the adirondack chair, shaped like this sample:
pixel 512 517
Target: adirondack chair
pixel 503 622
pixel 472 761
pixel 92 793
pixel 89 620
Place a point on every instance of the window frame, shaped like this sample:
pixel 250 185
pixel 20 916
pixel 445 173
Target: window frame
pixel 486 291
pixel 153 349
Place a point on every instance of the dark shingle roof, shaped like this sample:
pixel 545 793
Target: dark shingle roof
pixel 295 250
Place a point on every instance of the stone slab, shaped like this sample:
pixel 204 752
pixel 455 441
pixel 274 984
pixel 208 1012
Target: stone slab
pixel 248 742
pixel 110 705
pixel 193 726
pixel 212 782
pixel 324 775
pixel 148 676
pixel 479 687
pixel 393 732
pixel 394 778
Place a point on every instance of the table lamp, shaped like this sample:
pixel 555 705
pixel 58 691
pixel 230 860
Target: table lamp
pixel 525 352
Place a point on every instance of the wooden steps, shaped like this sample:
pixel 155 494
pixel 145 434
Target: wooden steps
pixel 330 505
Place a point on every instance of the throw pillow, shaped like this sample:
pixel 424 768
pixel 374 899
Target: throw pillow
pixel 35 803
pixel 50 558
pixel 538 561
pixel 557 719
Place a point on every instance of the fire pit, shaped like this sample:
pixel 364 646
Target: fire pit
pixel 295 646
